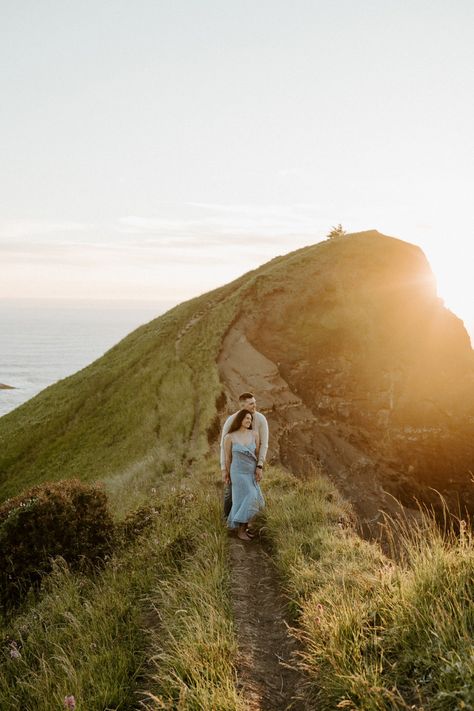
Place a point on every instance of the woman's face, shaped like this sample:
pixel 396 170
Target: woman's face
pixel 247 421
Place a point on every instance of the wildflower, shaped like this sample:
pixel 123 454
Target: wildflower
pixel 320 607
pixel 318 620
pixel 14 651
pixel 69 702
pixel 153 491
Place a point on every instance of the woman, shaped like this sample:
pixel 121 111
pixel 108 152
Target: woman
pixel 241 446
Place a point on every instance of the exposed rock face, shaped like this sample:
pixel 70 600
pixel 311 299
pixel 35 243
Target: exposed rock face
pixel 361 367
pixel 6 387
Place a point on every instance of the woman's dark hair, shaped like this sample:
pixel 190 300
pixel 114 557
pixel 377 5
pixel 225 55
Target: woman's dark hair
pixel 238 419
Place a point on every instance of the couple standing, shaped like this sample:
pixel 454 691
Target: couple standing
pixel 244 445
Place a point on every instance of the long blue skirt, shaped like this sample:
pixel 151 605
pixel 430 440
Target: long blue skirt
pixel 247 497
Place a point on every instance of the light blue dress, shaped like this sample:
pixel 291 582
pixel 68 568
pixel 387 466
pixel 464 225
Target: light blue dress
pixel 247 497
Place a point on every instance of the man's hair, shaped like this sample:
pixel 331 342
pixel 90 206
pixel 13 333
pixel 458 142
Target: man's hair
pixel 245 396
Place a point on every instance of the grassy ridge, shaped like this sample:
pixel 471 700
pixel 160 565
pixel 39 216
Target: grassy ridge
pixel 152 396
pixel 375 635
pixel 145 398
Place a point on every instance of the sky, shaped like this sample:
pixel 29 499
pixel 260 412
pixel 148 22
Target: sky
pixel 157 149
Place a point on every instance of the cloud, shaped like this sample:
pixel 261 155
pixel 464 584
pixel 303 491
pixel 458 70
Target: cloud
pixel 209 223
pixel 12 229
pixel 194 233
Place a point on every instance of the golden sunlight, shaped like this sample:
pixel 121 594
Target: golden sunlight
pixel 452 290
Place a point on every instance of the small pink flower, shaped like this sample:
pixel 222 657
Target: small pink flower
pixel 320 607
pixel 70 702
pixel 318 620
pixel 14 651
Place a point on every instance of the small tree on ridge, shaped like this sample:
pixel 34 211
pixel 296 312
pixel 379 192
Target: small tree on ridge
pixel 338 231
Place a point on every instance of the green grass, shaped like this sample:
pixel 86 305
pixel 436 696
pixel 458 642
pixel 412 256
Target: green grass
pixel 375 635
pixel 155 624
pixel 84 637
pixel 193 645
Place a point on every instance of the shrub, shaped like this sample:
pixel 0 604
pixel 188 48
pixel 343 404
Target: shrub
pixel 135 524
pixel 338 231
pixel 66 518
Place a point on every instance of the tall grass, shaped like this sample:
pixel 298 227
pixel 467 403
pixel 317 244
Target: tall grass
pixel 84 637
pixel 194 645
pixel 376 635
pixel 155 624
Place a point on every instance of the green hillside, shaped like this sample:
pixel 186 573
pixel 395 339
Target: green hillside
pixel 147 402
pixel 143 399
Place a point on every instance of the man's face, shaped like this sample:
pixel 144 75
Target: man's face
pixel 250 404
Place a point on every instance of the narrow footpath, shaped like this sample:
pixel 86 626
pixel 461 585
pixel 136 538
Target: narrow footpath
pixel 266 673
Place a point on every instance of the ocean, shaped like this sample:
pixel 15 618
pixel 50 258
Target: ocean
pixel 44 341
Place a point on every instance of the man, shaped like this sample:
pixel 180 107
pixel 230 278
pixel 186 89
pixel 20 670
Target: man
pixel 246 402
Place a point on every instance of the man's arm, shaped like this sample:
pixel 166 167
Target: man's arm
pixel 263 432
pixel 225 430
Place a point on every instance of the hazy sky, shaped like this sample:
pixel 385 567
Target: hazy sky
pixel 158 148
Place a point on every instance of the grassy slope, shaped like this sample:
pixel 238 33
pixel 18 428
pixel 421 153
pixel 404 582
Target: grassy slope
pixel 375 635
pixel 144 398
pixel 114 639
pixel 141 399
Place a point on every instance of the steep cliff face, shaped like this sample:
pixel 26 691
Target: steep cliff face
pixel 381 374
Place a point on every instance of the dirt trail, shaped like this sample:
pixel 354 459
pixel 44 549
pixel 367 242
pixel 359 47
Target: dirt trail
pixel 266 675
pixel 266 670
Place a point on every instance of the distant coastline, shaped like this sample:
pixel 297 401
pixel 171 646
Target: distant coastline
pixel 44 341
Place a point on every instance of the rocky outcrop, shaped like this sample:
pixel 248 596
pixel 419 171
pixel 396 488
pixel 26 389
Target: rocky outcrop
pixel 360 367
pixel 6 387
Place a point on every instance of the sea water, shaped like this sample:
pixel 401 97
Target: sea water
pixel 44 341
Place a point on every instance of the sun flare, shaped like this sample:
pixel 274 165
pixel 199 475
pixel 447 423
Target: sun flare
pixel 452 274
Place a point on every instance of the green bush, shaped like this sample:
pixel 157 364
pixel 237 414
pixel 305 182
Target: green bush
pixel 66 518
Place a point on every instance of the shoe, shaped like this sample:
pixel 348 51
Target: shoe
pixel 244 537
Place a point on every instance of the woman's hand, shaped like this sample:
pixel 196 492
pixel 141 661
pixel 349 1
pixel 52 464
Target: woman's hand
pixel 258 474
pixel 227 478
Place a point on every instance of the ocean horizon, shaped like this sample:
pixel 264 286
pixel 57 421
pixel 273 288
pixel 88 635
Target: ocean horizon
pixel 45 340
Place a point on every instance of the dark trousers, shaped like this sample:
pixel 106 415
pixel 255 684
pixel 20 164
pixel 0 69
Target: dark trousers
pixel 227 499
